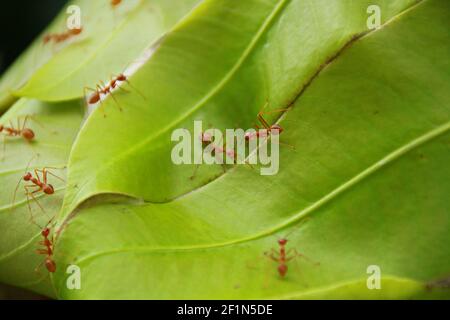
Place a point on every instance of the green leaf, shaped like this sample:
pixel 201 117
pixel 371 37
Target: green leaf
pixel 223 77
pixel 370 170
pixel 112 40
pixel 55 127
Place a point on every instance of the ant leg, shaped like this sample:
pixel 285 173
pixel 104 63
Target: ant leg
pixel 11 125
pixel 111 94
pixel 45 171
pixel 88 89
pixel 273 255
pixel 15 192
pixel 38 267
pixel 18 124
pixel 4 148
pixel 36 173
pixel 115 100
pixel 24 122
pixel 135 89
pixel 197 166
pixel 299 255
pixel 263 121
pixel 30 194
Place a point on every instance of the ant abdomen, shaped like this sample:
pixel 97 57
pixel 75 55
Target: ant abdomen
pixel 282 269
pixel 50 265
pixel 28 134
pixel 48 189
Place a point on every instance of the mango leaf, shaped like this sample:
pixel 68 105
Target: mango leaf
pixel 222 77
pixel 112 40
pixel 55 127
pixel 367 185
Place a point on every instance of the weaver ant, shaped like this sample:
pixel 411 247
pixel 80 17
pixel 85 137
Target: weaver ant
pixel 105 89
pixel 283 256
pixel 20 130
pixel 48 250
pixel 61 37
pixel 38 184
pixel 207 140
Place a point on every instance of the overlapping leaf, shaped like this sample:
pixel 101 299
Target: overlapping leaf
pixel 219 65
pixel 55 127
pixel 111 40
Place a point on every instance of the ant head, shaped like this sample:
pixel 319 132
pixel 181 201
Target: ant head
pixel 45 232
pixel 277 127
pixel 1 127
pixel 282 269
pixel 27 176
pixel 28 134
pixel 48 189
pixel 282 242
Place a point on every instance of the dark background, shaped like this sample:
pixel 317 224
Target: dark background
pixel 20 22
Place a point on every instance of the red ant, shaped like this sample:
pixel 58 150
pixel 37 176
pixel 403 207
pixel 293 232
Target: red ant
pixel 61 37
pixel 48 250
pixel 268 129
pixel 283 256
pixel 207 139
pixel 107 89
pixel 39 181
pixel 20 131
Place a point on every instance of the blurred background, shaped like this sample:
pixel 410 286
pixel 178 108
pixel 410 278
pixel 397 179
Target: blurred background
pixel 20 22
